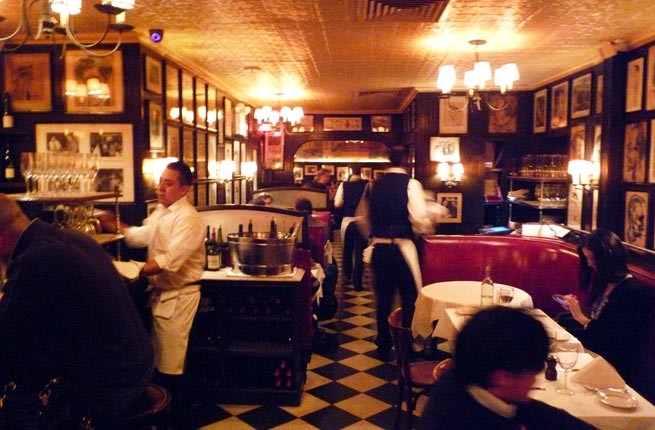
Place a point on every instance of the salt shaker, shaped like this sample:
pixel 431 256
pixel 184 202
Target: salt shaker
pixel 551 370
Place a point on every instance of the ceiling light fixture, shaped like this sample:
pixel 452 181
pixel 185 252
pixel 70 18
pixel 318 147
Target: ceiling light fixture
pixel 475 80
pixel 49 26
pixel 271 120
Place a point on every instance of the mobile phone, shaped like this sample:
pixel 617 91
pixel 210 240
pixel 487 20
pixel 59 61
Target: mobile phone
pixel 560 299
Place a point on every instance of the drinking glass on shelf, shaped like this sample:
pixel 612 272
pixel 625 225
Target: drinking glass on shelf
pixel 27 170
pixel 505 295
pixel 567 357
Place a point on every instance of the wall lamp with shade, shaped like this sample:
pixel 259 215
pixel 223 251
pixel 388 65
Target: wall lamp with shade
pixel 226 170
pixel 445 151
pixel 249 169
pixel 450 173
pixel 583 174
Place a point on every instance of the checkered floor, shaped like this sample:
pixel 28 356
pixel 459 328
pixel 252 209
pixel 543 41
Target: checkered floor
pixel 347 388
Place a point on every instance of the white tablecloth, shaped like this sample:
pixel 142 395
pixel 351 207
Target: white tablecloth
pixel 435 298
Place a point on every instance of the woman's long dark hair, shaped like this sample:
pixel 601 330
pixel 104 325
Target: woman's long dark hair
pixel 611 262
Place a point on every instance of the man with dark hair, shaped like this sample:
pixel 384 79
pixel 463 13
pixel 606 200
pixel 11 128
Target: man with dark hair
pixel 348 195
pixel 174 235
pixel 498 355
pixel 65 314
pixel 397 212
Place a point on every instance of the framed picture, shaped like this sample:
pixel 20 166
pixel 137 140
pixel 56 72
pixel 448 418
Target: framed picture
pixel 502 119
pixel 212 160
pixel 298 175
pixel 634 152
pixel 452 202
pixel 453 115
pixel 594 210
pixel 342 173
pixel 173 142
pixel 98 82
pixel 201 154
pixel 236 154
pixel 599 94
pixel 27 81
pixel 305 125
pixel 212 108
pixel 229 192
pixel 329 168
pixel 595 152
pixel 274 151
pixel 172 93
pixel 153 75
pixel 347 123
pixel 577 142
pixel 311 169
pixel 635 218
pixel 444 149
pixel 188 155
pixel 381 123
pixel 650 79
pixel 634 85
pixel 228 117
pixel 112 143
pixel 651 166
pixel 559 105
pixel 377 174
pixel 574 208
pixel 187 114
pixel 228 151
pixel 200 97
pixel 155 127
pixel 540 107
pixel 581 96
pixel 367 173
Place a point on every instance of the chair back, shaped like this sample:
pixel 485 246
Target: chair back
pixel 402 341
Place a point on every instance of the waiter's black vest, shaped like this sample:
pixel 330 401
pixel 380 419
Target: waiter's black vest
pixel 352 192
pixel 388 207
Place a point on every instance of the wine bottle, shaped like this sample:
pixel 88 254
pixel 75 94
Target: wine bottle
pixel 213 254
pixel 250 227
pixel 9 169
pixel 223 247
pixel 240 230
pixel 7 118
pixel 487 288
pixel 273 232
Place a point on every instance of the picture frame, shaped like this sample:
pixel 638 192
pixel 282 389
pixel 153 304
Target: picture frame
pixel 559 105
pixel 27 81
pixel 634 152
pixel 273 151
pixel 228 151
pixel 188 153
pixel 201 154
pixel 172 93
pixel 581 96
pixel 228 115
pixel 187 113
pixel 305 125
pixel 236 154
pixel 342 173
pixel 377 174
pixel 298 175
pixel 452 202
pixel 381 123
pixel 311 169
pixel 599 94
pixel 650 79
pixel 502 119
pixel 574 208
pixel 173 142
pixel 153 73
pixel 577 142
pixel 635 218
pixel 113 143
pixel 634 85
pixel 651 165
pixel 453 115
pixel 346 123
pixel 155 127
pixel 367 173
pixel 539 113
pixel 212 160
pixel 212 108
pixel 329 168
pixel 80 69
pixel 444 149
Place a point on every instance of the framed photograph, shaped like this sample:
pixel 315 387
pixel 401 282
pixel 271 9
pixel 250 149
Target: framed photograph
pixel 112 143
pixel 212 160
pixel 502 119
pixel 595 152
pixel 153 75
pixel 594 210
pixel 347 123
pixel 377 174
pixel 577 142
pixel 367 173
pixel 540 107
pixel 329 168
pixel 574 208
pixel 186 113
pixel 155 127
pixel 599 94
pixel 453 115
pixel 200 97
pixel 236 154
pixel 381 123
pixel 311 169
pixel 201 154
pixel 651 165
pixel 188 155
pixel 305 125
pixel 452 202
pixel 444 149
pixel 98 82
pixel 581 96
pixel 650 79
pixel 274 151
pixel 27 81
pixel 212 108
pixel 559 106
pixel 228 117
pixel 229 192
pixel 173 142
pixel 228 151
pixel 298 175
pixel 342 173
pixel 634 152
pixel 636 217
pixel 172 93
pixel 634 85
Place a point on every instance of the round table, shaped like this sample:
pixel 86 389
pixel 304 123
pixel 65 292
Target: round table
pixel 435 298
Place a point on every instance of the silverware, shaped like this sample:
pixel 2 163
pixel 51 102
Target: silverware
pixel 538 388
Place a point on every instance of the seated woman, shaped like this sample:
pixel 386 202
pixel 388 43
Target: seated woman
pixel 617 319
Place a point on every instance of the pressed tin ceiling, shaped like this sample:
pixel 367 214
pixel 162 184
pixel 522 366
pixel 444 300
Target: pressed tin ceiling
pixel 355 56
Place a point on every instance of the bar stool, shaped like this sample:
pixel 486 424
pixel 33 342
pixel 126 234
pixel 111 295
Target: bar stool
pixel 152 410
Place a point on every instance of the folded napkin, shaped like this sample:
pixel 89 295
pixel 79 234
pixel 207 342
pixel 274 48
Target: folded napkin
pixel 129 269
pixel 599 374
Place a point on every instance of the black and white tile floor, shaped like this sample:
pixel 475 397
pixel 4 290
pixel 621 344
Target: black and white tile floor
pixel 346 388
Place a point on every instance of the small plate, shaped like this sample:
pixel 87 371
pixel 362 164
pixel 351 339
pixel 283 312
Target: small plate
pixel 466 311
pixel 617 398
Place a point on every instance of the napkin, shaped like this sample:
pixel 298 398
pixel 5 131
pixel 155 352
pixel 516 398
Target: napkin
pixel 599 374
pixel 129 269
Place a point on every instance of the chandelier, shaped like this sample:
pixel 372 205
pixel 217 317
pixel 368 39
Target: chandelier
pixel 48 26
pixel 476 79
pixel 271 120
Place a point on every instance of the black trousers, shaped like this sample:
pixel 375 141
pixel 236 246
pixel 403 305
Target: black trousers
pixel 391 273
pixel 351 261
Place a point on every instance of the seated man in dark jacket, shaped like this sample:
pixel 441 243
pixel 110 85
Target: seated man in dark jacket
pixel 498 355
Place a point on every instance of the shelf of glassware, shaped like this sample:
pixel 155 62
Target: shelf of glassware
pixel 559 203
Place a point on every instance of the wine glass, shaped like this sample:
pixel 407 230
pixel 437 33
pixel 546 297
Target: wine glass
pixel 505 295
pixel 26 169
pixel 567 357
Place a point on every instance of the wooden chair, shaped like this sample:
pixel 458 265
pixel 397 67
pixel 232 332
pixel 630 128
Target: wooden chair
pixel 414 379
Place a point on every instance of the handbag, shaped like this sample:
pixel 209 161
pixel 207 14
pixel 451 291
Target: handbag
pixel 362 216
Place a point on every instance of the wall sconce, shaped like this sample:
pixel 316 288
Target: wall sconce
pixel 249 169
pixel 226 170
pixel 450 173
pixel 582 174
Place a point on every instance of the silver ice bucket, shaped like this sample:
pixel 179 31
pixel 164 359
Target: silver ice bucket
pixel 258 255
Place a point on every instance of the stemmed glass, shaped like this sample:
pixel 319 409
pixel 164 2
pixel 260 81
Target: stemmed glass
pixel 567 357
pixel 27 169
pixel 505 295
